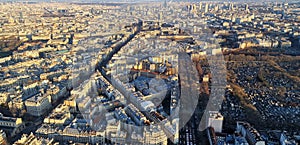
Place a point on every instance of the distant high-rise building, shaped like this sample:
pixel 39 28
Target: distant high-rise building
pixel 206 8
pixel 215 120
pixel 200 6
pixel 194 8
pixel 128 8
pixel 189 8
pixel 160 16
pixel 231 6
pixel 247 8
pixel 165 4
pixel 216 7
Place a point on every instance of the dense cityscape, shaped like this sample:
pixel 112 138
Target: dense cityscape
pixel 155 73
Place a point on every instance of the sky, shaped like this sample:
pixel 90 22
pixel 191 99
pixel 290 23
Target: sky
pixel 100 1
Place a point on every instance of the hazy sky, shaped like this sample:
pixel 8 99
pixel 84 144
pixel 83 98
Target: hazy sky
pixel 86 1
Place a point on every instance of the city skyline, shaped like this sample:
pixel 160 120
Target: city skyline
pixel 200 73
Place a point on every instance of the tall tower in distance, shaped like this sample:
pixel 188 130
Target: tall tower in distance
pixel 206 8
pixel 194 8
pixel 200 6
pixel 165 4
pixel 215 120
pixel 247 8
pixel 231 6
